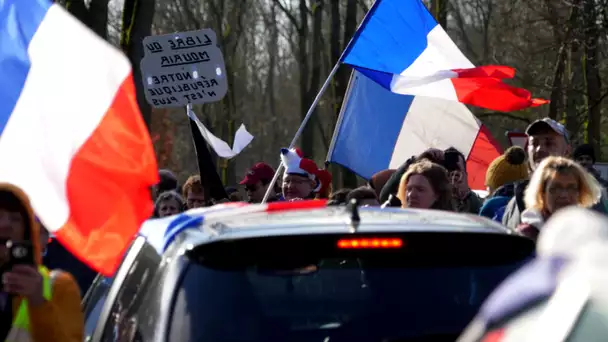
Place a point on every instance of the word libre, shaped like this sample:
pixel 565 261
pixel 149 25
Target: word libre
pixel 182 68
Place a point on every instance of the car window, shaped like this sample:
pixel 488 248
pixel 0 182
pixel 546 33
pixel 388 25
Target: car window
pixel 122 324
pixel 318 295
pixel 94 302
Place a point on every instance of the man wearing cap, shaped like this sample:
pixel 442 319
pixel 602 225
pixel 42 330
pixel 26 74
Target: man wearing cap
pixel 546 137
pixel 256 183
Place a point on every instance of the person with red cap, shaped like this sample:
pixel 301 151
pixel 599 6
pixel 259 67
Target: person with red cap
pixel 256 182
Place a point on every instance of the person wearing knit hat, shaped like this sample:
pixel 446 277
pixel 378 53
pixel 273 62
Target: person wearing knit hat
pixel 585 156
pixel 505 170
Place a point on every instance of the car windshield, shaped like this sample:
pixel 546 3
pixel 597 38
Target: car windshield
pixel 350 297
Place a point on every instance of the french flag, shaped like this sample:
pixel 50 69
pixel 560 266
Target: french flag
pixel 379 130
pixel 71 134
pixel 401 47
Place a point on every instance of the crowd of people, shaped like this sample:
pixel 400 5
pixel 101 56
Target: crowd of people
pixel 525 186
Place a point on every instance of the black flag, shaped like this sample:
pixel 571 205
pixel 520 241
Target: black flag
pixel 214 189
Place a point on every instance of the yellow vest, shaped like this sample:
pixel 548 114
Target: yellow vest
pixel 20 331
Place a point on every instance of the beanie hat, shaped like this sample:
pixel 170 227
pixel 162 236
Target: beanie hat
pixel 507 168
pixel 584 150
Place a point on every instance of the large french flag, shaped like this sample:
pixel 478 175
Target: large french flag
pixel 401 47
pixel 71 134
pixel 379 130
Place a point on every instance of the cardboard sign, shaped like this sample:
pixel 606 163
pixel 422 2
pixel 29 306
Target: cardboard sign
pixel 182 68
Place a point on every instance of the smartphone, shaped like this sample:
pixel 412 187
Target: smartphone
pixel 451 160
pixel 20 253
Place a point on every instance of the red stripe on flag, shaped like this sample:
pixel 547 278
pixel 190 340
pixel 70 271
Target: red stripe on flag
pixel 495 71
pixel 108 185
pixel 484 87
pixel 485 149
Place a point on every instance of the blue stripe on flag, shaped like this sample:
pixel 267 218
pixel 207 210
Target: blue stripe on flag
pixel 392 36
pixel 371 123
pixel 19 21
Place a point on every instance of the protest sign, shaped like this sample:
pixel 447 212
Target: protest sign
pixel 183 68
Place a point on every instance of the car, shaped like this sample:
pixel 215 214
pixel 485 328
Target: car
pixel 301 271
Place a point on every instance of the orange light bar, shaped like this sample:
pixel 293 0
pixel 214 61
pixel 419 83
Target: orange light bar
pixel 370 243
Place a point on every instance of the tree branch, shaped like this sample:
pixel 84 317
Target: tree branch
pixel 288 13
pixel 364 7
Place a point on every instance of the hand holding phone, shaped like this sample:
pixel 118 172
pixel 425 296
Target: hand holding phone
pixel 20 253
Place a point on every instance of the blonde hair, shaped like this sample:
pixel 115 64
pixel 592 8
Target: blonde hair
pixel 437 176
pixel 589 189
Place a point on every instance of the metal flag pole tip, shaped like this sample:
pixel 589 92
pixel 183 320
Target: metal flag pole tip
pixel 301 129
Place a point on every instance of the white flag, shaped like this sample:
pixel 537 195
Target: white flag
pixel 242 138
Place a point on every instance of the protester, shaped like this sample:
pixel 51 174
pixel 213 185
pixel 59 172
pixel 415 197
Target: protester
pixel 585 155
pixel 365 197
pixel 506 169
pixel 380 179
pixel 425 185
pixel 167 182
pixel 194 193
pixel 37 304
pixel 256 183
pixel 168 203
pixel 302 178
pixel 233 194
pixel 546 137
pixel 557 183
pixel 467 201
pixel 324 178
pixel 392 185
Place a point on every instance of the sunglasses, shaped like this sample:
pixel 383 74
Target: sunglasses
pixel 251 188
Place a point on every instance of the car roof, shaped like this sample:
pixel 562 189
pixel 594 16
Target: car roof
pixel 249 221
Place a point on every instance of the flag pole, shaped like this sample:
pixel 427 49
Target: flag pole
pixel 302 126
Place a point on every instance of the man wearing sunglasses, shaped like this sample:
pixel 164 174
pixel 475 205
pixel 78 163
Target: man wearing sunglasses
pixel 256 183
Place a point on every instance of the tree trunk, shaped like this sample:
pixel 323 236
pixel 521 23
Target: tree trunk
pixel 94 17
pixel 98 17
pixel 349 179
pixel 303 30
pixel 574 83
pixel 592 76
pixel 556 105
pixel 78 9
pixel 439 9
pixel 137 19
pixel 273 51
pixel 565 41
